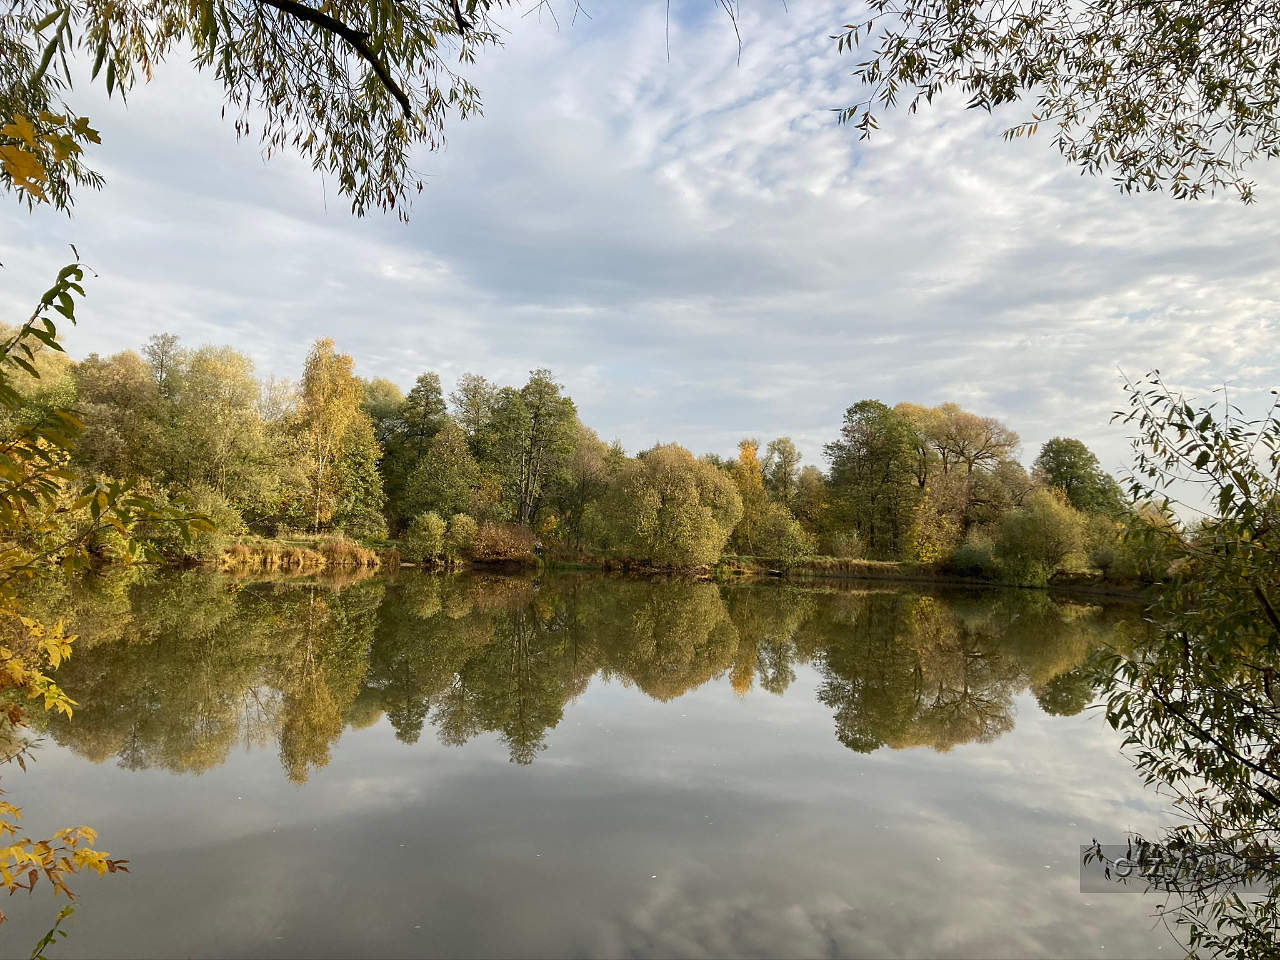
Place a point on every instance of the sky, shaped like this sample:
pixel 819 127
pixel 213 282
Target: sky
pixel 693 246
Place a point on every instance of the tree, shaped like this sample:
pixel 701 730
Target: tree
pixel 1068 465
pixel 353 89
pixel 46 522
pixel 119 404
pixel 670 510
pixel 781 537
pixel 445 477
pixel 1178 96
pixel 749 477
pixel 782 470
pixel 873 478
pixel 473 402
pixel 383 402
pixel 534 430
pixel 331 397
pixel 584 479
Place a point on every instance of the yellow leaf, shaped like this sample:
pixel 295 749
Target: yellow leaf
pixel 20 129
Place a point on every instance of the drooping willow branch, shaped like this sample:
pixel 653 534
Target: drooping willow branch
pixel 357 39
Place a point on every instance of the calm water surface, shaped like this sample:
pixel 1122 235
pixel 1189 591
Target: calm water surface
pixel 582 766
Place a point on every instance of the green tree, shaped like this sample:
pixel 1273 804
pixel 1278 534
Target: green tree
pixel 1068 465
pixel 534 430
pixel 1196 697
pixel 445 477
pixel 473 401
pixel 670 510
pixel 782 470
pixel 873 478
pixel 353 89
pixel 424 541
pixel 780 537
pixel 1033 540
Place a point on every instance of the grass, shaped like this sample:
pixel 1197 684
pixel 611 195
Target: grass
pixel 301 554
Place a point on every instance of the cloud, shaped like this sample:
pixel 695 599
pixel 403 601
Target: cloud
pixel 694 247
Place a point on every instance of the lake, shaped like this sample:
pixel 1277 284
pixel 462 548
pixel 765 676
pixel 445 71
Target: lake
pixel 576 765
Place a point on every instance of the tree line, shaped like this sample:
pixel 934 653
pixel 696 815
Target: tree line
pixel 495 472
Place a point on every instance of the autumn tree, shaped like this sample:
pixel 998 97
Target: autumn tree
pixel 331 397
pixel 670 510
pixel 748 474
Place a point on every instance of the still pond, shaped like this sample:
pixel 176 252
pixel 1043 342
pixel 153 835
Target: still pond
pixel 577 765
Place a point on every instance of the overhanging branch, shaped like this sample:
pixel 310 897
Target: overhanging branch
pixel 357 39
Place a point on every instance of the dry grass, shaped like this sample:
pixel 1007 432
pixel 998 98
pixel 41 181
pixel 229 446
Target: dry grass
pixel 295 556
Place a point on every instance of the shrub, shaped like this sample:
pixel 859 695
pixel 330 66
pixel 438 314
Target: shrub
pixel 423 542
pixel 667 509
pixel 845 544
pixel 338 551
pixel 1033 540
pixel 502 543
pixel 780 537
pixel 1103 543
pixel 203 501
pixel 461 536
pixel 975 558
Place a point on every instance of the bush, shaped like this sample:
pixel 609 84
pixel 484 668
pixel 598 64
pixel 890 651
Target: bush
pixel 1103 543
pixel 503 543
pixel 423 542
pixel 846 545
pixel 338 551
pixel 1033 540
pixel 461 536
pixel 203 501
pixel 782 538
pixel 975 558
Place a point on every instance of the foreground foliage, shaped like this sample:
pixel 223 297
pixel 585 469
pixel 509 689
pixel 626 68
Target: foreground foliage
pixel 1199 701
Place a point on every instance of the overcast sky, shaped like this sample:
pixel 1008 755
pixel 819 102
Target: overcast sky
pixel 693 247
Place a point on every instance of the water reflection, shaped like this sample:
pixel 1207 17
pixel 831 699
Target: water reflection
pixel 174 671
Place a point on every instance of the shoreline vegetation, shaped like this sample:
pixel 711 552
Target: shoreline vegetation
pixel 335 555
pixel 339 472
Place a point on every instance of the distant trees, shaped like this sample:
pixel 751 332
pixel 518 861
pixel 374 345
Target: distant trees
pixel 510 471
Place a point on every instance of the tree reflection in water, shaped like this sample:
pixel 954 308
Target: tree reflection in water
pixel 173 671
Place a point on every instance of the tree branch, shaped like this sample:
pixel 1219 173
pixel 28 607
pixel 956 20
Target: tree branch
pixel 358 39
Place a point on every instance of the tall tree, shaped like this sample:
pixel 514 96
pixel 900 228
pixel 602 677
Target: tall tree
pixel 1070 466
pixel 749 476
pixel 873 476
pixel 782 469
pixel 331 397
pixel 534 429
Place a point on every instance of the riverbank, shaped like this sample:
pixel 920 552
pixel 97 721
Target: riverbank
pixel 856 570
pixel 315 554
